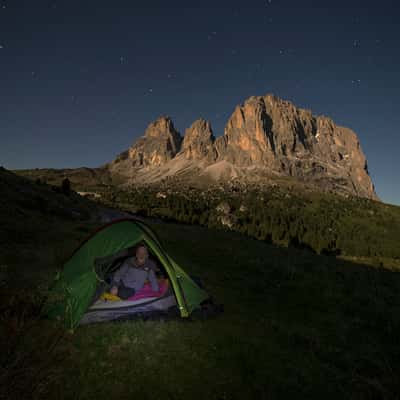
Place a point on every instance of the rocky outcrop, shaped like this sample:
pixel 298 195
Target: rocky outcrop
pixel 160 143
pixel 198 142
pixel 246 139
pixel 271 133
pixel 265 134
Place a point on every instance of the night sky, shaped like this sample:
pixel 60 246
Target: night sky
pixel 80 80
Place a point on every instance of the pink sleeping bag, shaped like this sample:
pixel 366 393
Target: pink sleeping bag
pixel 147 291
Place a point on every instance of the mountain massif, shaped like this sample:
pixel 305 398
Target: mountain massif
pixel 265 138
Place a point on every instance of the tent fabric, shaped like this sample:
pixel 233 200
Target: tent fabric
pixel 75 288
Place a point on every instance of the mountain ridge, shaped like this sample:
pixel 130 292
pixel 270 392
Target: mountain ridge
pixel 264 136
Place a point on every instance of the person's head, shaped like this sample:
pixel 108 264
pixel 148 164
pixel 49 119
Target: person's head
pixel 142 254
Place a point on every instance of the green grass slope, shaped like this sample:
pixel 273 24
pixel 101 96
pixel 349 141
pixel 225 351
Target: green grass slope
pixel 282 211
pixel 296 325
pixel 323 222
pixel 36 220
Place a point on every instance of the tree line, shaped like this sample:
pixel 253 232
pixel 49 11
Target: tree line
pixel 324 223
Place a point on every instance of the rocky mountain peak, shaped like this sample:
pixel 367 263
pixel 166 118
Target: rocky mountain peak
pixel 198 141
pixel 159 144
pixel 271 133
pixel 162 126
pixel 266 134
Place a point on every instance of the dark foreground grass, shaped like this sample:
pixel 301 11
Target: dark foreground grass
pixel 296 325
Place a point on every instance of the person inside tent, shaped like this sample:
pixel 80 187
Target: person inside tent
pixel 132 275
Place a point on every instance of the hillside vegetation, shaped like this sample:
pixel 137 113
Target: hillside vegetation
pixel 34 218
pixel 80 178
pixel 323 222
pixel 296 324
pixel 282 211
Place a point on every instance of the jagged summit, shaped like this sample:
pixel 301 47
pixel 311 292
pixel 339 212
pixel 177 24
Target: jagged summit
pixel 161 127
pixel 159 144
pixel 264 136
pixel 198 142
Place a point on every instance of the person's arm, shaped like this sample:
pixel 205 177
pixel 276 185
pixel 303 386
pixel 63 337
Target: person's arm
pixel 119 274
pixel 153 281
pixel 154 266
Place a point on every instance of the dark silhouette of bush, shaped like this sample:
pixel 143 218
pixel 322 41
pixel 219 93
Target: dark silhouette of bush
pixel 66 186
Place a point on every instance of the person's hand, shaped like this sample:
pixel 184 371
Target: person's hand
pixel 114 290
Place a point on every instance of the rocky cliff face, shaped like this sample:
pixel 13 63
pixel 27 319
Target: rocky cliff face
pixel 160 143
pixel 263 134
pixel 198 142
pixel 273 133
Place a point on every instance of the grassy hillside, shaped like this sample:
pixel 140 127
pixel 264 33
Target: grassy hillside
pixel 81 178
pixel 281 211
pixel 35 219
pixel 323 222
pixel 296 324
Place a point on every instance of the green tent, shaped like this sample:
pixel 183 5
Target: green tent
pixel 77 287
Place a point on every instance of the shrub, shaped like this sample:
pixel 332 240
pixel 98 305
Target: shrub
pixel 66 186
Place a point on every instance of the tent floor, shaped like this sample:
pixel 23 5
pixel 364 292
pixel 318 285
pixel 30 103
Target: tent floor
pixel 115 310
pixel 107 305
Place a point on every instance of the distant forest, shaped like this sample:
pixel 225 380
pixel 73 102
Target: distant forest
pixel 324 223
